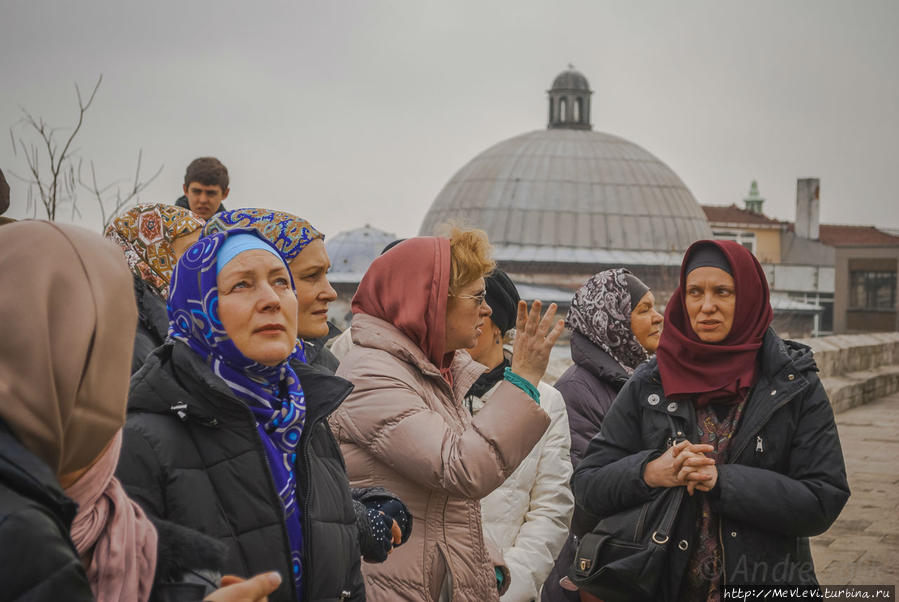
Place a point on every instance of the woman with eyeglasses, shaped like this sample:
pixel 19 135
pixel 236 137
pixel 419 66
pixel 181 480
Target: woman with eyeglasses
pixel 405 425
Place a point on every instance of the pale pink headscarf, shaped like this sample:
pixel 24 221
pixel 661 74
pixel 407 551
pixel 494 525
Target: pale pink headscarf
pixel 122 537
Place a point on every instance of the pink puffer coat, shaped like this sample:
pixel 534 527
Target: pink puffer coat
pixel 404 428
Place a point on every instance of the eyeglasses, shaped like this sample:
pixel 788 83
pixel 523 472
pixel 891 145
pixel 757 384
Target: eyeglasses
pixel 480 297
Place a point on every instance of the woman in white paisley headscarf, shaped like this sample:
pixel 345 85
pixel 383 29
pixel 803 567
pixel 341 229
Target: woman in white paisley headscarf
pixel 614 327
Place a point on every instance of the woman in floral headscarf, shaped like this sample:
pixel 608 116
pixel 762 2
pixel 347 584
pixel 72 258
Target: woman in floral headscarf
pixel 614 327
pixel 227 429
pixel 152 237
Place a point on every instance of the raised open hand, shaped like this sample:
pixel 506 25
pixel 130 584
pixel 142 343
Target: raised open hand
pixel 534 340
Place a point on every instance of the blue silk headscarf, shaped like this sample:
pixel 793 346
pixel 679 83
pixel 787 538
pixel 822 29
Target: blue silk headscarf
pixel 273 393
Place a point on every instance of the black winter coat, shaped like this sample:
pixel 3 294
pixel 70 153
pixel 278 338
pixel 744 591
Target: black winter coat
pixel 319 355
pixel 152 323
pixel 784 481
pixel 589 387
pixel 37 559
pixel 191 454
pixel 182 202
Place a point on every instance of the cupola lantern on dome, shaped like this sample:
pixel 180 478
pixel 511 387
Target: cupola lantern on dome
pixel 561 203
pixel 754 200
pixel 569 101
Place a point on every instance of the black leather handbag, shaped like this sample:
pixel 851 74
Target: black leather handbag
pixel 626 555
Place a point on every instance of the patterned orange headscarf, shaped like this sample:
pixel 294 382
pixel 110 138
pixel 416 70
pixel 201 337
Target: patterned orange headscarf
pixel 145 234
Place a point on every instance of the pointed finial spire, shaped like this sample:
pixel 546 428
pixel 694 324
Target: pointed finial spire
pixel 754 200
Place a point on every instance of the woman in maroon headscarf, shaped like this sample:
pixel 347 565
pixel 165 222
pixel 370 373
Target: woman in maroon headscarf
pixel 757 448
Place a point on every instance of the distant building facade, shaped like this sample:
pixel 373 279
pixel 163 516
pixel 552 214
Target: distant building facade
pixel 865 285
pixel 824 278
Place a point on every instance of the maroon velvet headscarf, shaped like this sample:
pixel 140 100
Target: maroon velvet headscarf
pixel 716 372
pixel 408 286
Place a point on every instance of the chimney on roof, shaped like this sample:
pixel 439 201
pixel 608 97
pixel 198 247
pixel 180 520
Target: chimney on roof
pixel 807 207
pixel 754 201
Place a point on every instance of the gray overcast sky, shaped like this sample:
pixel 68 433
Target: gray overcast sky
pixel 359 112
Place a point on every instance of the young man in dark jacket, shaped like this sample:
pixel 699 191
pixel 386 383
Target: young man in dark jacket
pixel 205 187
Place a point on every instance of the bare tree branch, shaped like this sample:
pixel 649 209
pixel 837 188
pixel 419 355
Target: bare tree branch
pixel 54 178
pixel 118 200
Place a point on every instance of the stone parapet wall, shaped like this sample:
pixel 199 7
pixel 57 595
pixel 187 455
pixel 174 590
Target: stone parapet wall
pixel 842 353
pixel 854 369
pixel 857 368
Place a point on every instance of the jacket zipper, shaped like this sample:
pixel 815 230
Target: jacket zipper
pixel 271 482
pixel 306 523
pixel 272 488
pixel 344 594
pixel 736 453
pixel 759 448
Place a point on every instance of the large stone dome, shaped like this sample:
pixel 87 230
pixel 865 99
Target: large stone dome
pixel 587 193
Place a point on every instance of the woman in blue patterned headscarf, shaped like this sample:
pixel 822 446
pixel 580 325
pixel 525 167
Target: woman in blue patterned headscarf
pixel 382 519
pixel 302 246
pixel 239 454
pixel 200 296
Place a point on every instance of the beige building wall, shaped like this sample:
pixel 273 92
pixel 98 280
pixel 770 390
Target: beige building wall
pixel 767 245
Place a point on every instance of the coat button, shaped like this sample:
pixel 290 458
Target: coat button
pixel 773 392
pixel 653 399
pixel 790 377
pixel 733 533
pixel 672 407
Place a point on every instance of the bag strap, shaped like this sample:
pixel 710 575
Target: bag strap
pixel 661 534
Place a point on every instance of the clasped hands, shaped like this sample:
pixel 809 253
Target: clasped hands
pixel 683 464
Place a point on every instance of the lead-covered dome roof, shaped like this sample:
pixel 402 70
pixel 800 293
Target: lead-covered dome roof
pixel 573 195
pixel 570 80
pixel 352 251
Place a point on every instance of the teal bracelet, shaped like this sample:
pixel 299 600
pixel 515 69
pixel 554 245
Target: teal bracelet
pixel 522 384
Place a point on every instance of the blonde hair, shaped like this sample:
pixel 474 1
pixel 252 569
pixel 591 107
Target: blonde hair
pixel 470 255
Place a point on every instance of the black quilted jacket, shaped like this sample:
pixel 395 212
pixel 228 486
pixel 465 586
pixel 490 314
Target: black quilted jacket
pixel 785 479
pixel 191 455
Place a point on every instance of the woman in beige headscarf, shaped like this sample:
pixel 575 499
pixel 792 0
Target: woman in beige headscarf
pixel 68 318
